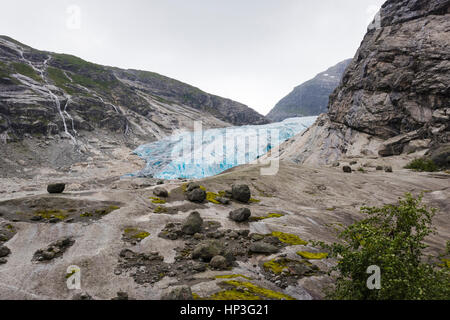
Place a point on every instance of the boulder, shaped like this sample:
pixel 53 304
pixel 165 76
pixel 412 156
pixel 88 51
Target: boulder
pixel 441 156
pixel 219 263
pixel 197 195
pixel 192 224
pixel 347 169
pixel 241 193
pixel 207 250
pixel 160 192
pixel 262 247
pixel 4 251
pixel 240 215
pixel 192 186
pixel 56 188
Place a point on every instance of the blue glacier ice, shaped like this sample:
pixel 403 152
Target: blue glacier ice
pixel 204 153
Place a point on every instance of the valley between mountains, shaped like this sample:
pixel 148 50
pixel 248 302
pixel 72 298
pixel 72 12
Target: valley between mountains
pixel 72 125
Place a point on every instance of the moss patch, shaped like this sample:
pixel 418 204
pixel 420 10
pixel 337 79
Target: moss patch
pixel 50 214
pixel 136 233
pixel 160 209
pixel 252 200
pixel 288 238
pixel 312 256
pixel 232 276
pixel 249 291
pixel 268 216
pixel 211 197
pixel 276 266
pixel 157 200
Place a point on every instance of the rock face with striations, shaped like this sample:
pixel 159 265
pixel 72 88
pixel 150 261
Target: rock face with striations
pixel 310 98
pixel 395 94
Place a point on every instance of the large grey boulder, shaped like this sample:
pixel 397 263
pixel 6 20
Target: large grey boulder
pixel 160 192
pixel 192 224
pixel 197 195
pixel 207 250
pixel 240 215
pixel 241 193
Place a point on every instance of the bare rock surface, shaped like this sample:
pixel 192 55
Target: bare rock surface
pixel 394 93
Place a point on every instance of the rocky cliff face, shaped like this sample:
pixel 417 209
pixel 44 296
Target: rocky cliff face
pixel 310 98
pixel 65 103
pixel 395 95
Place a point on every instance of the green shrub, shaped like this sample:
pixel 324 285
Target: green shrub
pixel 422 164
pixel 392 238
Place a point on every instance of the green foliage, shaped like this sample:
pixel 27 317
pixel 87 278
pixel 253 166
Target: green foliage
pixel 422 164
pixel 26 70
pixel 60 79
pixel 392 238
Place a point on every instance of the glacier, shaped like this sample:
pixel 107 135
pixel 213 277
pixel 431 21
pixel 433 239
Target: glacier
pixel 204 153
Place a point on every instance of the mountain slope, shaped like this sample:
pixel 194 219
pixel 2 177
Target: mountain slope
pixel 311 97
pixel 394 97
pixel 95 95
pixel 65 102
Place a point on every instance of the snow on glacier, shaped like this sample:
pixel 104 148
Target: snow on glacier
pixel 204 153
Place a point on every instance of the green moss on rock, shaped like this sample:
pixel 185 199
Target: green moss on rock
pixel 312 256
pixel 288 238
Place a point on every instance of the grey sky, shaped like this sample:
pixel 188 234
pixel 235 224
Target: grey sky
pixel 252 51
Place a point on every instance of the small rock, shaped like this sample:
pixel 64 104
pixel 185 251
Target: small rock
pixel 198 236
pixel 160 192
pixel 3 261
pixel 36 218
pixel 179 293
pixel 240 215
pixel 241 193
pixel 4 251
pixel 56 188
pixel 223 201
pixel 199 267
pixel 197 195
pixel 379 168
pixel 219 262
pixel 262 247
pixel 336 164
pixel 160 182
pixel 388 169
pixel 54 220
pixel 352 163
pixel 257 237
pixel 347 169
pixel 193 224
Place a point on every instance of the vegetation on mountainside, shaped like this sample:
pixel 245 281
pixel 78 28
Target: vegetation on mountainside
pixel 392 238
pixel 423 165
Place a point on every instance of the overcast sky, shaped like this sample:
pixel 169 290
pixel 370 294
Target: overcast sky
pixel 251 51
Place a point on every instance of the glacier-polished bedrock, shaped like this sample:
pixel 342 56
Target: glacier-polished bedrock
pixel 204 153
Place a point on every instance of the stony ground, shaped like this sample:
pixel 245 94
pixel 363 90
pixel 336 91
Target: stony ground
pixel 126 240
